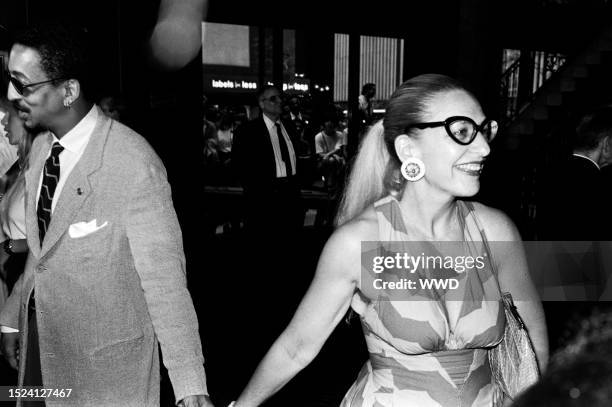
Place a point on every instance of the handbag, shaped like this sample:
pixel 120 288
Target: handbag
pixel 513 361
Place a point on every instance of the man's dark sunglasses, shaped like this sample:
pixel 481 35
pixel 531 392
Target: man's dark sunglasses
pixel 462 129
pixel 21 88
pixel 274 98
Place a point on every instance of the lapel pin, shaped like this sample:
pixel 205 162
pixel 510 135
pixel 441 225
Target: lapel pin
pixel 79 191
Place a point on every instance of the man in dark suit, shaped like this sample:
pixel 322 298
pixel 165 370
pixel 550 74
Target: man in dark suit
pixel 264 158
pixel 574 205
pixel 575 208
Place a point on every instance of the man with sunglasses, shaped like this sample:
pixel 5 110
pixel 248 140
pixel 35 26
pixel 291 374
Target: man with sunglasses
pixel 264 158
pixel 105 278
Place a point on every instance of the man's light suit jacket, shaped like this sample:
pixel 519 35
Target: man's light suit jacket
pixel 109 279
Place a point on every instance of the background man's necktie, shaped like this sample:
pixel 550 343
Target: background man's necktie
pixel 51 174
pixel 284 149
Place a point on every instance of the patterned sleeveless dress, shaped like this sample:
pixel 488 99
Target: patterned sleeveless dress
pixel 428 348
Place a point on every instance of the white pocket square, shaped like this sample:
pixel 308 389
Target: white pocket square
pixel 82 229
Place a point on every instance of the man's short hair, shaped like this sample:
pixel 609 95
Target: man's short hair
pixel 5 43
pixel 62 50
pixel 593 127
pixel 367 87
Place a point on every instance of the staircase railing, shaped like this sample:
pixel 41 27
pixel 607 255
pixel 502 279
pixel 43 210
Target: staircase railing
pixel 509 91
pixel 545 64
pixel 522 79
pixel 526 73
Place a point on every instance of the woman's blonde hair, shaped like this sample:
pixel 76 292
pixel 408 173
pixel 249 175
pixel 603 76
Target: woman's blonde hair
pixel 23 153
pixel 375 170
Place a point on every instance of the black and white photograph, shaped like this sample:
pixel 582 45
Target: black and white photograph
pixel 231 203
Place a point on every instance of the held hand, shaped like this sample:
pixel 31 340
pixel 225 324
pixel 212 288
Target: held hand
pixel 10 348
pixel 199 400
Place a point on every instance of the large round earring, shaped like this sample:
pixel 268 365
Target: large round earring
pixel 413 169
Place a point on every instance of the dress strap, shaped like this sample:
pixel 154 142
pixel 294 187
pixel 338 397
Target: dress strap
pixel 391 226
pixel 471 210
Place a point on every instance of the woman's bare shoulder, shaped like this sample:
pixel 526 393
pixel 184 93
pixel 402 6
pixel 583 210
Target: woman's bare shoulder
pixel 362 227
pixel 346 240
pixel 498 225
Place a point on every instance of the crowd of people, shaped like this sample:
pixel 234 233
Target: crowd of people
pixel 93 273
pixel 318 133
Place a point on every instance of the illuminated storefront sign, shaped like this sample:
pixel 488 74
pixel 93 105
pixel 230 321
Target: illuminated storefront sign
pixel 303 87
pixel 295 86
pixel 229 84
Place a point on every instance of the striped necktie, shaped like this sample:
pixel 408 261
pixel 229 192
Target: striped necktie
pixel 51 174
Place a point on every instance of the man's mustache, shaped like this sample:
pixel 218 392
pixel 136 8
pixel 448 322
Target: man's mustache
pixel 20 108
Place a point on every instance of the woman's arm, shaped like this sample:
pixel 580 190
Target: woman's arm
pixel 514 277
pixel 321 309
pixel 320 146
pixel 331 154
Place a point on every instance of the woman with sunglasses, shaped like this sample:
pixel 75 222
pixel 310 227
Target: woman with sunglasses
pixel 406 193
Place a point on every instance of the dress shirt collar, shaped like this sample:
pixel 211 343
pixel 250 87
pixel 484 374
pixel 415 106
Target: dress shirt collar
pixel 269 122
pixel 76 139
pixel 584 156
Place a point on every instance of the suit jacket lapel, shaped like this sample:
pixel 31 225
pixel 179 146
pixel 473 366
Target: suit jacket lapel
pixel 32 178
pixel 267 149
pixel 77 187
pixel 290 129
